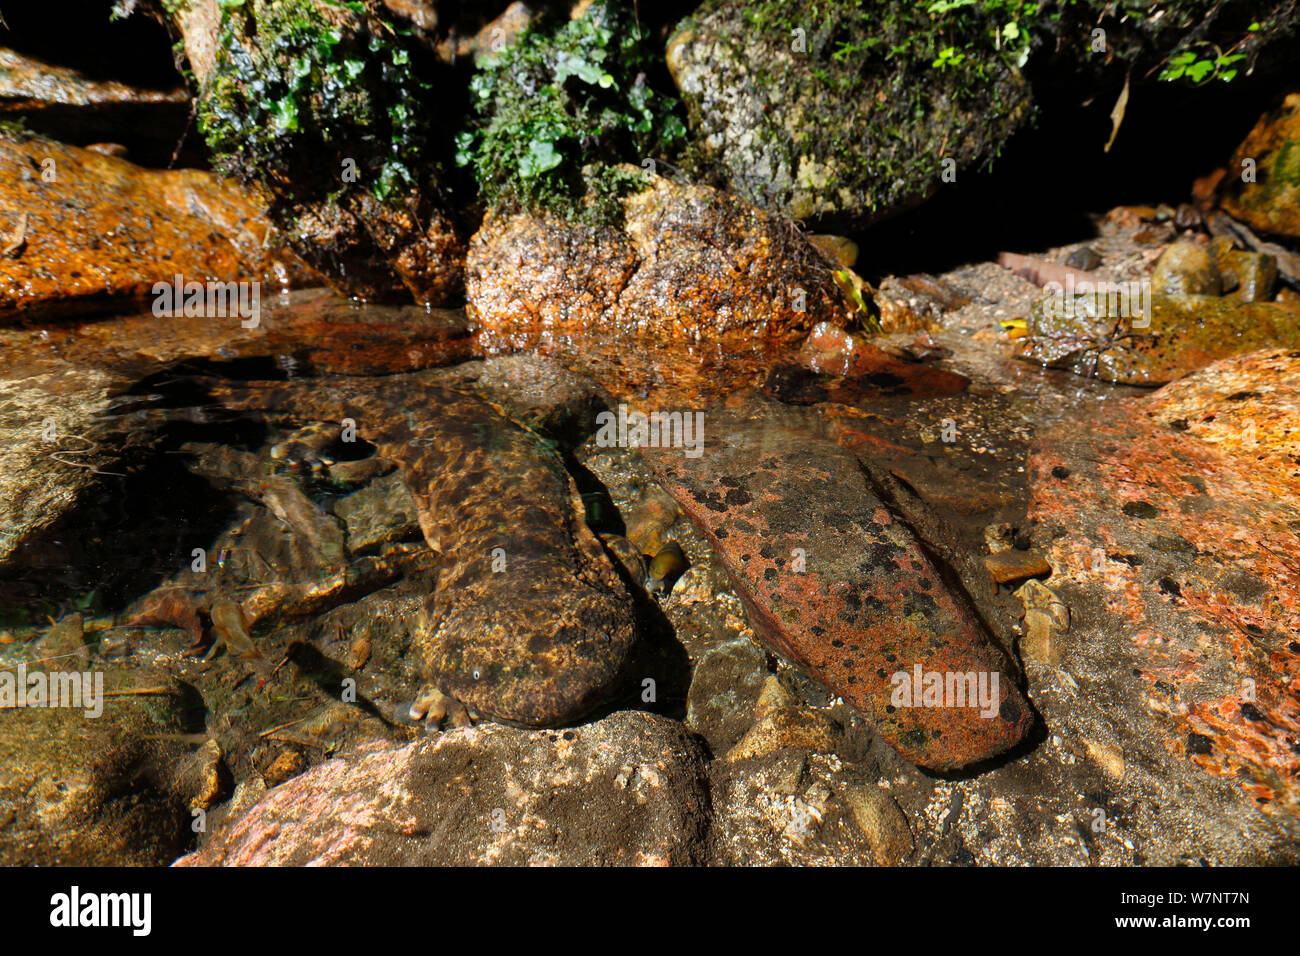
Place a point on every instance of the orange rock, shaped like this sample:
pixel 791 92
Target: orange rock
pixel 86 230
pixel 695 295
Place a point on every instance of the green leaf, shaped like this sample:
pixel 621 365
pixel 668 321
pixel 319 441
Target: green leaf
pixel 541 157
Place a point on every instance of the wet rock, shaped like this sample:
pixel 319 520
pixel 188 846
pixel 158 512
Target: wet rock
pixel 74 108
pixel 799 122
pixel 650 519
pixel 1085 258
pixel 323 105
pixel 784 727
pixel 837 366
pixel 628 790
pixel 882 822
pixel 1199 576
pixel 692 296
pixel 1252 275
pixel 1090 335
pixel 98 230
pixel 1186 268
pixel 108 790
pixel 1270 201
pixel 1013 564
pixel 834 583
pixel 725 686
pixel 793 808
pixel 837 249
pixel 381 512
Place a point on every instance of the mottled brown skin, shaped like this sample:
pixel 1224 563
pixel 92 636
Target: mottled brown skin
pixel 538 642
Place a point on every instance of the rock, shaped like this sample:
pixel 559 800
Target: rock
pixel 837 249
pixel 1186 268
pixel 725 686
pixel 381 512
pixel 628 790
pixel 790 808
pixel 99 231
pixel 833 582
pixel 1263 185
pixel 837 366
pixel 112 790
pixel 882 822
pixel 324 105
pixel 1012 564
pixel 693 295
pixel 1085 258
pixel 73 108
pixel 784 727
pixel 1253 275
pixel 800 121
pixel 1091 336
pixel 1177 563
pixel 650 519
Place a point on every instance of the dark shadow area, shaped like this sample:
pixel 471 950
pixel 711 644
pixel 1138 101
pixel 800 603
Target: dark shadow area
pixel 1054 173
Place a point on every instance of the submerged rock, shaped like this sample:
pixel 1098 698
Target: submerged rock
pixel 628 790
pixel 1174 536
pixel 692 296
pixel 84 230
pixel 836 584
pixel 113 789
pixel 1091 336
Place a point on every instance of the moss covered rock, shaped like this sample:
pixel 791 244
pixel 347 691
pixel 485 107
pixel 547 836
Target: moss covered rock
pixel 326 103
pixel 1264 176
pixel 560 107
pixel 839 110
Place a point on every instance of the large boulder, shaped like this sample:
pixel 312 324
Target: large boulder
pixel 842 116
pixel 84 231
pixel 1262 187
pixel 326 106
pixel 1174 532
pixel 696 291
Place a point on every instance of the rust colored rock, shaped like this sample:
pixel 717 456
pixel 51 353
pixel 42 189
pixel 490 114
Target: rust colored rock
pixel 1270 200
pixel 837 366
pixel 694 296
pixel 1176 525
pixel 1012 565
pixel 98 231
pixel 833 582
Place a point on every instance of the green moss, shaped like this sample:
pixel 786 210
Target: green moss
pixel 300 86
pixel 560 108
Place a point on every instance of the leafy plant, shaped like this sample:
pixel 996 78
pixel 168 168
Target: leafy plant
pixel 557 111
